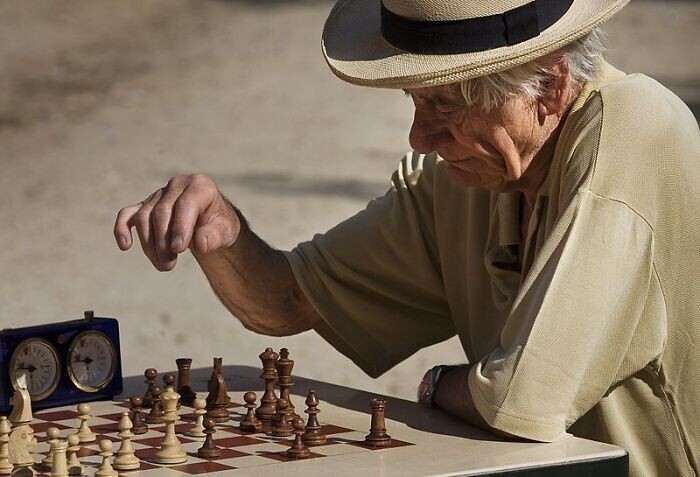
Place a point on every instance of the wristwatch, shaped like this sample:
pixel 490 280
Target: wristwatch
pixel 428 385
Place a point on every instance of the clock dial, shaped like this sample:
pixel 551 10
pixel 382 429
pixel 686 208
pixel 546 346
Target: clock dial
pixel 34 365
pixel 91 361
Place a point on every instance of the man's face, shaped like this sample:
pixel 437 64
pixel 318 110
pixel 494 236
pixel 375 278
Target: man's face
pixel 490 150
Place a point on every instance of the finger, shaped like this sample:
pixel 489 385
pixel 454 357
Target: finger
pixel 192 204
pixel 122 226
pixel 161 220
pixel 213 236
pixel 142 222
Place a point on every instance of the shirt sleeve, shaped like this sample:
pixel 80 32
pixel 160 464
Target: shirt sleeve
pixel 589 314
pixel 375 278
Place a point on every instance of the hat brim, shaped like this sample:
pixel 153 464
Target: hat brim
pixel 355 50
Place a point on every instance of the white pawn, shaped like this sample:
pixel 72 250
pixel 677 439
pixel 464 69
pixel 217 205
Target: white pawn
pixel 197 432
pixel 126 457
pixel 106 469
pixel 59 464
pixel 74 465
pixel 5 429
pixel 52 433
pixel 85 434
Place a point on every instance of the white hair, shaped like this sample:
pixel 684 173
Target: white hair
pixel 493 90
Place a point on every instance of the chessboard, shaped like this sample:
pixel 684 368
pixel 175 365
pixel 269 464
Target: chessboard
pixel 239 449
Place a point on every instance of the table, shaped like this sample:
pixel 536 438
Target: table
pixel 443 445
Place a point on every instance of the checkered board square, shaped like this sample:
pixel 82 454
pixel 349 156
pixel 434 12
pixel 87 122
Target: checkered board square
pixel 239 449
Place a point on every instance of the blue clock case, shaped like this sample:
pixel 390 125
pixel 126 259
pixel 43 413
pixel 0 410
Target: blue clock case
pixel 60 336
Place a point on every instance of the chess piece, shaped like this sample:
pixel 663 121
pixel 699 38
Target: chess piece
pixel 209 450
pixel 151 375
pixel 313 435
pixel 21 408
pixel 184 388
pixel 284 367
pixel 281 425
pixel 156 414
pixel 250 422
pixel 139 425
pixel 197 431
pixel 59 462
pixel 377 436
pixel 52 436
pixel 126 457
pixel 170 452
pixel 106 469
pixel 218 399
pixel 266 411
pixel 74 465
pixel 298 449
pixel 5 429
pixel 169 384
pixel 21 441
pixel 84 432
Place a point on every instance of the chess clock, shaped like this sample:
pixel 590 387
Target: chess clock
pixel 61 363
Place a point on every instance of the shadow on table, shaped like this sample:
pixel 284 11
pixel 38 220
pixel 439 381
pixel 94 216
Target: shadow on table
pixel 240 379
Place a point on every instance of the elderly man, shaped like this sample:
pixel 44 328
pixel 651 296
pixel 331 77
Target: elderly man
pixel 549 216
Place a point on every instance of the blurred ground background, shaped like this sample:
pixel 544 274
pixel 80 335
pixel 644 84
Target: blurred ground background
pixel 101 102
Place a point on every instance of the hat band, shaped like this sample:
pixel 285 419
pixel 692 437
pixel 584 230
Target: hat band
pixel 472 34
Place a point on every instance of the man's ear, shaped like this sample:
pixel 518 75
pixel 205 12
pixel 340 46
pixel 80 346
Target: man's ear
pixel 556 91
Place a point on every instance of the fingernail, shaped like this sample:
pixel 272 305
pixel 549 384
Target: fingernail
pixel 122 242
pixel 176 243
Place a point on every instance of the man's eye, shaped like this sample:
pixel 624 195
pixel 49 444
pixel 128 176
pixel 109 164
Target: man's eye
pixel 445 108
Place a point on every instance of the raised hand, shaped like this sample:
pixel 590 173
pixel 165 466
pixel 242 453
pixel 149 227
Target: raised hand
pixel 189 212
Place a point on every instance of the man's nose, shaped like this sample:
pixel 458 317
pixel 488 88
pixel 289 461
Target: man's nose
pixel 427 132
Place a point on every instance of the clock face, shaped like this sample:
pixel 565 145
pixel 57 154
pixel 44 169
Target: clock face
pixel 91 361
pixel 34 365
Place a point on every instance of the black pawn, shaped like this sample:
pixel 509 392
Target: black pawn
pixel 282 426
pixel 151 375
pixel 156 414
pixel 250 423
pixel 298 449
pixel 140 426
pixel 209 450
pixel 169 382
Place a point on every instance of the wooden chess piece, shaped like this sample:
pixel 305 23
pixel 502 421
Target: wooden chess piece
pixel 74 465
pixel 59 462
pixel 21 408
pixel 126 456
pixel 284 367
pixel 139 425
pixel 52 436
pixel 250 422
pixel 197 431
pixel 106 469
pixel 313 435
pixel 184 388
pixel 84 432
pixel 298 449
pixel 151 375
pixel 218 400
pixel 5 429
pixel 171 451
pixel 209 450
pixel 169 384
pixel 377 436
pixel 281 425
pixel 156 414
pixel 21 441
pixel 266 411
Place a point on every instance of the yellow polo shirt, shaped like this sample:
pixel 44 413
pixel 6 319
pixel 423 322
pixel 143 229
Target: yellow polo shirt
pixel 598 333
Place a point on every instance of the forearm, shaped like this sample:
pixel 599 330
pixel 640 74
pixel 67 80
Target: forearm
pixel 256 283
pixel 452 395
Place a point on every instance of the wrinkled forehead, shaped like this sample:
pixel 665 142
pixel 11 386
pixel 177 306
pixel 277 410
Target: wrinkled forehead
pixel 446 92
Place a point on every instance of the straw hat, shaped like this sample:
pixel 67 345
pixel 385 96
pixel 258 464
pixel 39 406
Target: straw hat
pixel 410 43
